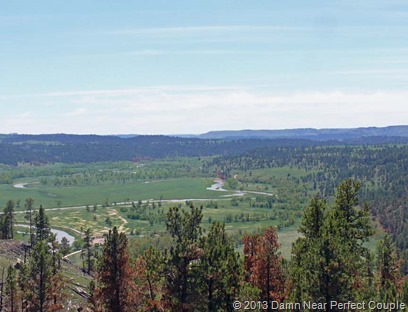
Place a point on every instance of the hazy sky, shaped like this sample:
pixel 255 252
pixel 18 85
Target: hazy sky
pixel 192 66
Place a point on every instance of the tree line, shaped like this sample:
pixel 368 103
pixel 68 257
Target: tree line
pixel 64 148
pixel 44 149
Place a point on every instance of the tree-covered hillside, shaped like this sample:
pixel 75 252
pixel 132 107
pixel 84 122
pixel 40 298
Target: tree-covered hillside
pixel 66 148
pixel 383 170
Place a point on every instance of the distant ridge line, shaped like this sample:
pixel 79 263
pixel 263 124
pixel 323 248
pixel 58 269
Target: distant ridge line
pixel 310 133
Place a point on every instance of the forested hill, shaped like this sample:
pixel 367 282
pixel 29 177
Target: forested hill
pixel 93 148
pixel 312 134
pixel 65 148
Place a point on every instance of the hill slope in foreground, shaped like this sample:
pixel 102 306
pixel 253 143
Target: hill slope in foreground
pixel 12 253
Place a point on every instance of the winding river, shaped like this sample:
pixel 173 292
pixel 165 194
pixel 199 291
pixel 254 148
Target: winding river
pixel 59 234
pixel 217 186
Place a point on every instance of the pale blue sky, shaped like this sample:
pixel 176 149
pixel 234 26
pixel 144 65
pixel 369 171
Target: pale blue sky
pixel 194 66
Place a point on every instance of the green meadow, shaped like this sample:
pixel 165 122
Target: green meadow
pixel 136 197
pixel 60 196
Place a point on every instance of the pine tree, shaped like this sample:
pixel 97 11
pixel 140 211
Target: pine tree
pixel 353 221
pixel 7 221
pixel 29 207
pixel 306 280
pixel 65 246
pixel 43 277
pixel 388 265
pixel 23 278
pixel 39 276
pixel 347 228
pixel 388 270
pixel 265 265
pixel 115 286
pixel 4 227
pixel 313 218
pixel 220 270
pixel 87 251
pixel 149 280
pixel 250 242
pixel 404 292
pixel 11 290
pixel 181 290
pixel 42 225
pixel 330 261
pixel 2 291
pixel 55 253
pixel 94 299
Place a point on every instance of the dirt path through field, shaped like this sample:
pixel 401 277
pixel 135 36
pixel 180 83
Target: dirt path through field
pixel 114 213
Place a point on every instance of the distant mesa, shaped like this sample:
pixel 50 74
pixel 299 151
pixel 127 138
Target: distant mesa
pixel 310 133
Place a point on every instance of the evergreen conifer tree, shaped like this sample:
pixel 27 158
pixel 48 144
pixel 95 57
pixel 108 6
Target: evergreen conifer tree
pixel 29 207
pixel 181 289
pixel 11 290
pixel 65 246
pixel 42 225
pixel 7 221
pixel 264 265
pixel 87 251
pixel 330 261
pixel 220 269
pixel 388 270
pixel 39 276
pixel 115 288
pixel 149 280
pixel 45 283
pixel 305 276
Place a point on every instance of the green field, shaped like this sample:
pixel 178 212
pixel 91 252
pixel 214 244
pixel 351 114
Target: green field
pixel 52 197
pixel 271 196
pixel 136 198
